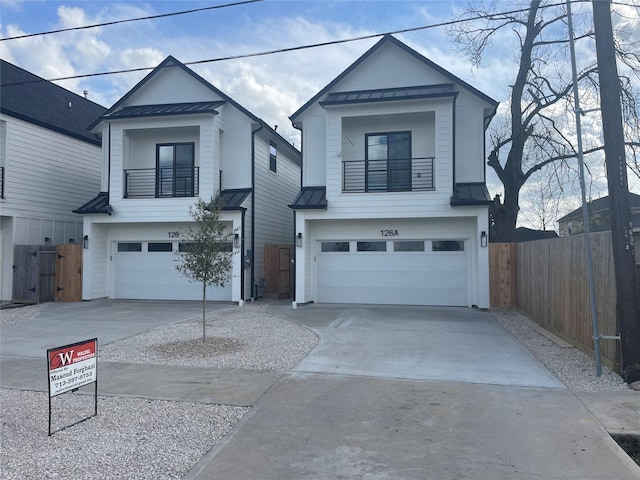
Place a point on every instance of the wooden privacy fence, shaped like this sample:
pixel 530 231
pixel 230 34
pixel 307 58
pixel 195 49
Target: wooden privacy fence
pixel 547 279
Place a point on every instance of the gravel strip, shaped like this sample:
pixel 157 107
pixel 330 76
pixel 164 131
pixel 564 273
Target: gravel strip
pixel 129 439
pixel 238 337
pixel 572 367
pixel 17 314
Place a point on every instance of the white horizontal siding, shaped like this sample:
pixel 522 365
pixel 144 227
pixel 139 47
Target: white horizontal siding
pixel 274 192
pixel 47 175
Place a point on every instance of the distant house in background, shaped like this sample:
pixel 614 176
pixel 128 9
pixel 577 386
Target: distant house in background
pixel 600 219
pixel 524 234
pixel 49 164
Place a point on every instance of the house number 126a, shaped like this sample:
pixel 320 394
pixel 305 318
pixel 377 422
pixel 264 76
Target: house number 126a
pixel 389 233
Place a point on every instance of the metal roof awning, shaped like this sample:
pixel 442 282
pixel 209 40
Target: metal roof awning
pixel 388 94
pixel 470 194
pixel 165 109
pixel 311 198
pixel 234 198
pixel 99 204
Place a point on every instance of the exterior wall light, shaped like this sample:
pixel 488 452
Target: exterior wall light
pixel 236 240
pixel 299 239
pixel 483 239
pixel 85 241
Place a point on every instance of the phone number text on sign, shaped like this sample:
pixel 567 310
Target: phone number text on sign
pixel 72 366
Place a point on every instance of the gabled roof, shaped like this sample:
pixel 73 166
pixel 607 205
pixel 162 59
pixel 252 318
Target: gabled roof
pixel 598 205
pixel 182 108
pixel 390 39
pixel 33 99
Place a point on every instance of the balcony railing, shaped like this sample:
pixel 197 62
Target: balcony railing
pixel 161 182
pixel 392 175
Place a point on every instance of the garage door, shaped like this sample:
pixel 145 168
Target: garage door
pixel 147 271
pixel 416 272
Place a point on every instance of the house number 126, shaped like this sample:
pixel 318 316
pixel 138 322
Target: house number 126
pixel 389 233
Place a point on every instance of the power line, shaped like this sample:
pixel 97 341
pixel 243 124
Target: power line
pixel 299 47
pixel 115 22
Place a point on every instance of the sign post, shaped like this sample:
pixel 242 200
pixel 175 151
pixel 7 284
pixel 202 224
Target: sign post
pixel 71 367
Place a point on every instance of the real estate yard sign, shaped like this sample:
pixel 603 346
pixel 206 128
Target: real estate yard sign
pixel 71 367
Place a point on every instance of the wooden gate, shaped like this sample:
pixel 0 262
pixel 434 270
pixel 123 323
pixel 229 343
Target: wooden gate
pixel 277 270
pixel 41 274
pixel 33 274
pixel 69 273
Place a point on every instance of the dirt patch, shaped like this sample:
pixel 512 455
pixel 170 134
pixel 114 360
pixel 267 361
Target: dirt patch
pixel 630 444
pixel 196 348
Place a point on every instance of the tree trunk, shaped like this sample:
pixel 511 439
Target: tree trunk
pixel 204 317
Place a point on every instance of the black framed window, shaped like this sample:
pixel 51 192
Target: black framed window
pixel 408 246
pixel 160 247
pixel 334 246
pixel 129 247
pixel 371 246
pixel 447 246
pixel 273 156
pixel 175 169
pixel 388 162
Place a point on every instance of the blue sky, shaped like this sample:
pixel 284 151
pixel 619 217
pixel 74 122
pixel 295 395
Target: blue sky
pixel 273 86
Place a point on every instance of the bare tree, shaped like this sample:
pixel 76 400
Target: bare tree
pixel 207 249
pixel 537 130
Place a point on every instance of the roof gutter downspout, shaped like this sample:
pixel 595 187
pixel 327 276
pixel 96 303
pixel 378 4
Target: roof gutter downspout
pixel 109 164
pixel 253 209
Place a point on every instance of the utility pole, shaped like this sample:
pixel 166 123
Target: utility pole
pixel 627 303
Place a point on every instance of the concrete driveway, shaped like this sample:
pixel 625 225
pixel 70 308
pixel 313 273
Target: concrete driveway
pixel 60 324
pixel 416 343
pixel 415 393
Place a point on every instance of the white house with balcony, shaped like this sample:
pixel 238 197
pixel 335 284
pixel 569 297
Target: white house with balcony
pixel 393 207
pixel 172 138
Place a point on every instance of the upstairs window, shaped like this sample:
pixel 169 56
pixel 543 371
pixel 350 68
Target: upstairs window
pixel 388 162
pixel 175 169
pixel 273 156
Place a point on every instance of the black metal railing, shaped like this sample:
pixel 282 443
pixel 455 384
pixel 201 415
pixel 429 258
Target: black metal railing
pixel 1 182
pixel 389 175
pixel 161 182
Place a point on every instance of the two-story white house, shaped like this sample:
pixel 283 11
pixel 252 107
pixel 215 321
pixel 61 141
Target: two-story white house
pixel 172 138
pixel 393 207
pixel 49 164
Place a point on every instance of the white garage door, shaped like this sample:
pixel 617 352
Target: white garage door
pixel 423 272
pixel 147 271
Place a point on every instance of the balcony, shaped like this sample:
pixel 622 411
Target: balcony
pixel 389 175
pixel 161 182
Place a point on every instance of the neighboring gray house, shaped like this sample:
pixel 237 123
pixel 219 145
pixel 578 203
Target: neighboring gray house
pixel 172 138
pixel 600 219
pixel 49 164
pixel 393 207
